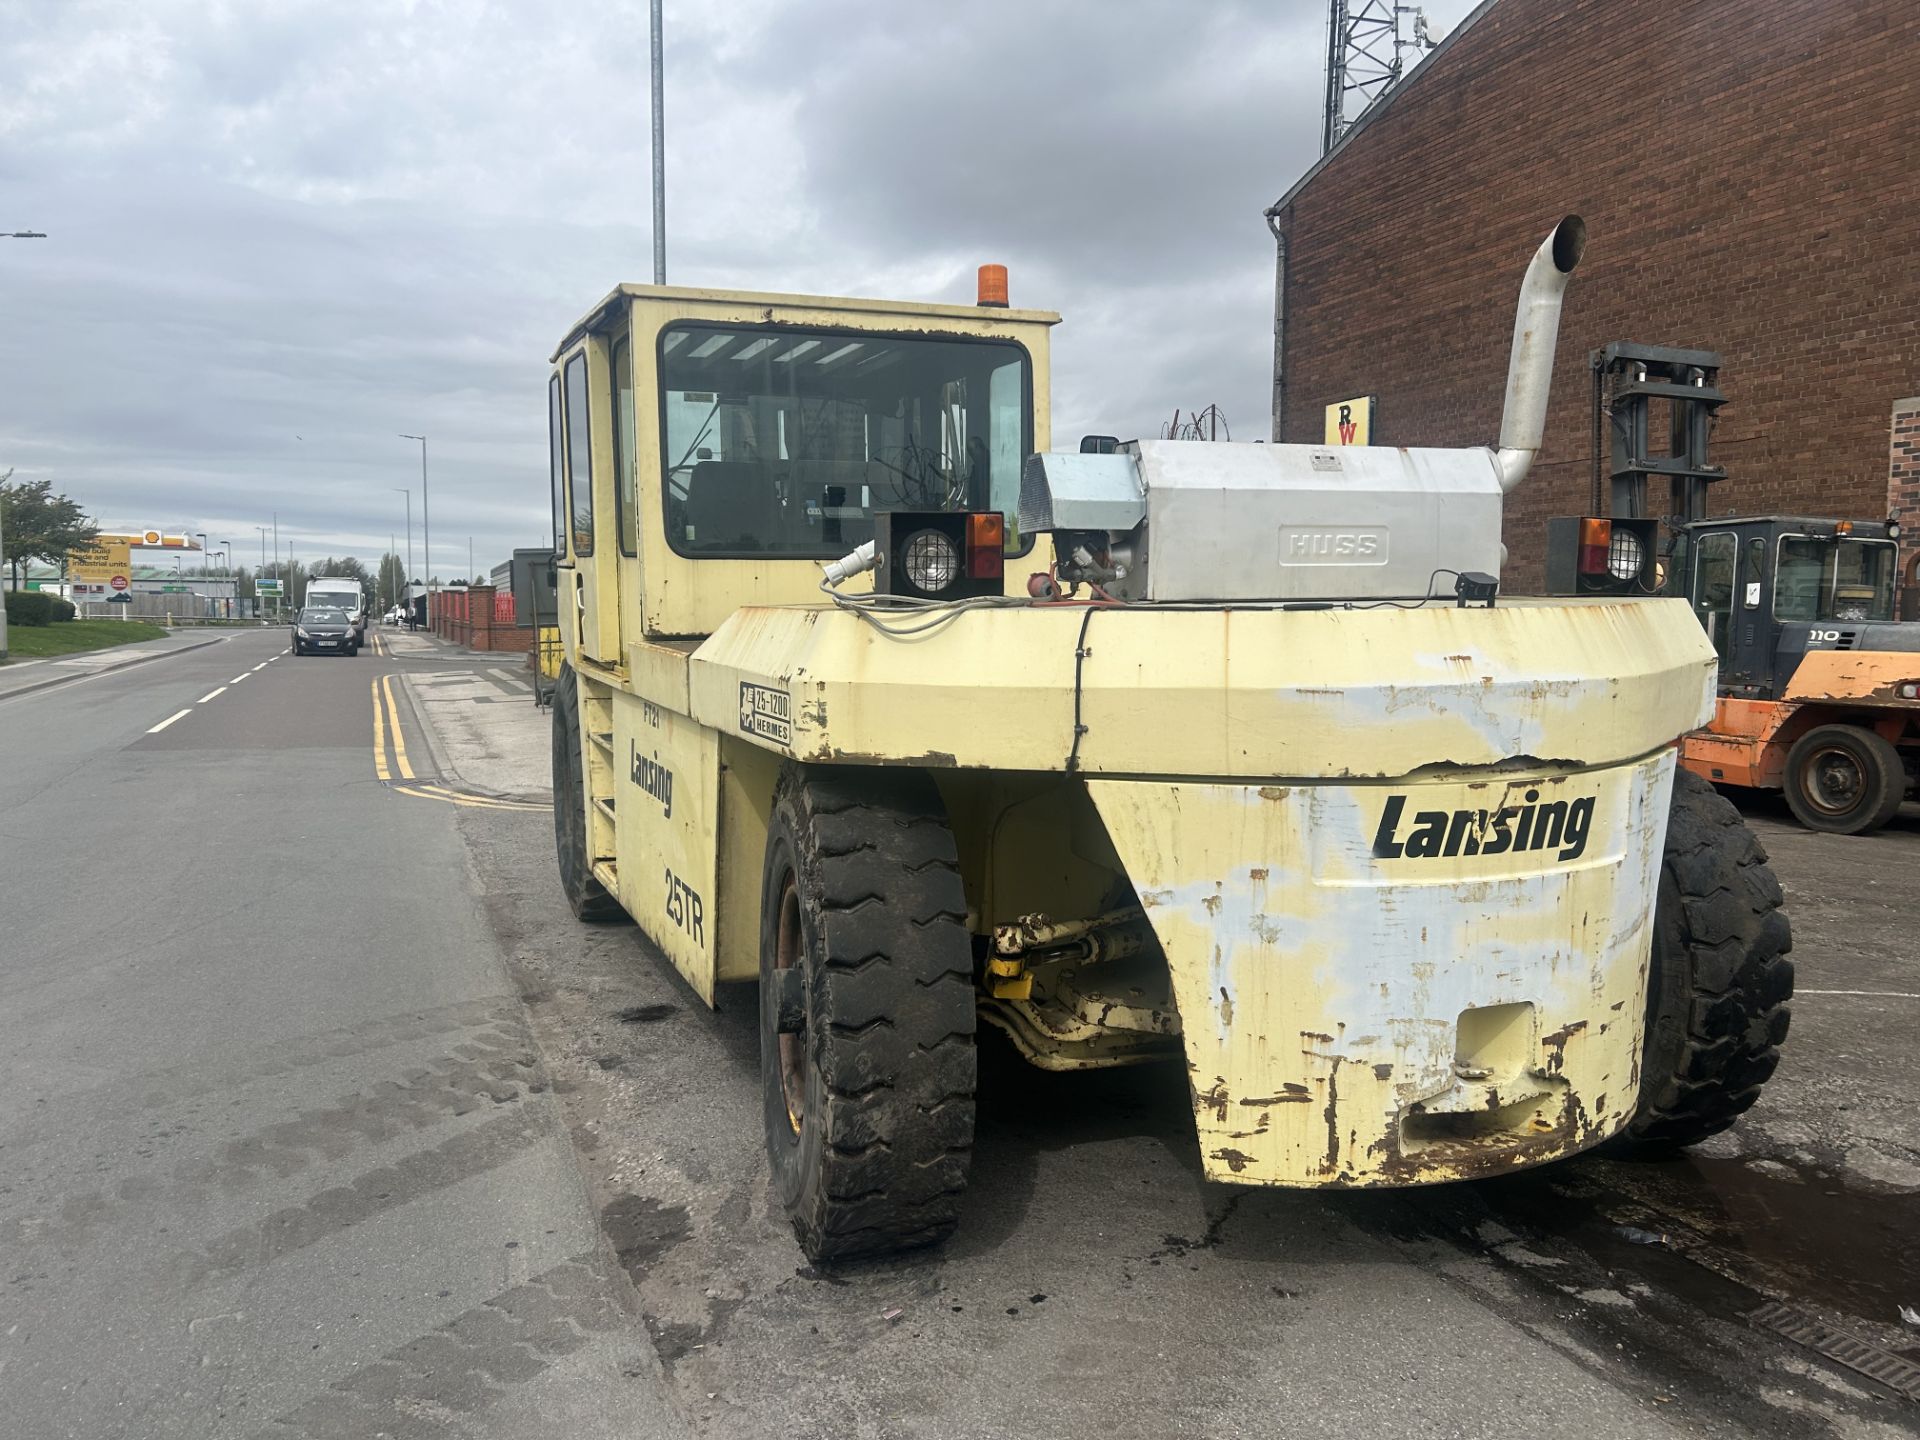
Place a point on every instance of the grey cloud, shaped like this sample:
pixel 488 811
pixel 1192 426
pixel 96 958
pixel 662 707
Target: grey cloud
pixel 342 219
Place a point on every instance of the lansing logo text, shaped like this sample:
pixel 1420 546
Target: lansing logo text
pixel 1559 825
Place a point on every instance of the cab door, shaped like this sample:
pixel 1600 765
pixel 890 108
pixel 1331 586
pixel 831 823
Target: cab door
pixel 590 575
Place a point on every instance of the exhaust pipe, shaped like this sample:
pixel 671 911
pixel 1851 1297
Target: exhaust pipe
pixel 1536 328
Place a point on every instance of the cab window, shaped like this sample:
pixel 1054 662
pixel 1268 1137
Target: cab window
pixel 783 441
pixel 579 455
pixel 1830 578
pixel 1714 560
pixel 623 466
pixel 555 454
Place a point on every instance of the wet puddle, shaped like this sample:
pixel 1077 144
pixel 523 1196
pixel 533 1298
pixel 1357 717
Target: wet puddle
pixel 1683 1263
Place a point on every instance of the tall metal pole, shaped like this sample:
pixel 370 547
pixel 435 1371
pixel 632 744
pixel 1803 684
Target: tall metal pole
pixel 659 159
pixel 279 574
pixel 408 587
pixel 426 523
pixel 3 606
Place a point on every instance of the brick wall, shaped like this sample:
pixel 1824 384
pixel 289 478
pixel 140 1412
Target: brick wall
pixel 470 617
pixel 1747 172
pixel 1903 464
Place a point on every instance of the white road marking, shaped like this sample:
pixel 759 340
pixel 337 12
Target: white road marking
pixel 263 665
pixel 237 679
pixel 204 698
pixel 1872 994
pixel 168 721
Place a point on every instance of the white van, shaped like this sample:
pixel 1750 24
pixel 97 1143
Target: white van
pixel 341 592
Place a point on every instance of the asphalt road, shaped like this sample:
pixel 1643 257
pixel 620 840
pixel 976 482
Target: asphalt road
pixel 327 1119
pixel 278 1155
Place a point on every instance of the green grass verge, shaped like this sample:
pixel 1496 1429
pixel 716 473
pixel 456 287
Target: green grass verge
pixel 31 642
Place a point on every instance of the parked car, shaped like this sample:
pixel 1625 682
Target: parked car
pixel 324 630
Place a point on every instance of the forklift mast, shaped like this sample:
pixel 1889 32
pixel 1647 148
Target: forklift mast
pixel 1627 378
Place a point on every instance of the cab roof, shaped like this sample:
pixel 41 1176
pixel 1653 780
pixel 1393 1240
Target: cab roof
pixel 905 309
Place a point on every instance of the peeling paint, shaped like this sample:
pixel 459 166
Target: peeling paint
pixel 1373 963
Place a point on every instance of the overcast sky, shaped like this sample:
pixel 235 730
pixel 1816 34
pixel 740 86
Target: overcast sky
pixel 282 231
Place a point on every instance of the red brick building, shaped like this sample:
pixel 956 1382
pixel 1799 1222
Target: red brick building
pixel 1749 171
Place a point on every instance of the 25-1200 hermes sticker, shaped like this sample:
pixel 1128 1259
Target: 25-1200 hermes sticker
pixel 766 712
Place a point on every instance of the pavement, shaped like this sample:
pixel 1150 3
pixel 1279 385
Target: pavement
pixel 332 1121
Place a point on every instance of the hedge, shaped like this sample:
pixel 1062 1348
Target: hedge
pixel 33 607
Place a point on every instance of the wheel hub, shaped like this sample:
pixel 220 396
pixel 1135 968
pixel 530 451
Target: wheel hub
pixel 1834 783
pixel 793 1048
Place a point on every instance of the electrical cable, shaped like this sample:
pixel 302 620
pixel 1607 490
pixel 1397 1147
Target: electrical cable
pixel 1080 653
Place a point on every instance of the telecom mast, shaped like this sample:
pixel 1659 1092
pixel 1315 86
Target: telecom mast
pixel 1363 58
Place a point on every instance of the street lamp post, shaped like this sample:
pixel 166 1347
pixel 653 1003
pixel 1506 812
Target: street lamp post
pixel 259 611
pixel 426 523
pixel 203 552
pixel 3 605
pixel 409 585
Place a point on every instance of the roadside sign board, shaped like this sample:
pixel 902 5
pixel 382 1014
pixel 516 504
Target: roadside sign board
pixel 98 563
pixel 266 587
pixel 119 582
pixel 1350 422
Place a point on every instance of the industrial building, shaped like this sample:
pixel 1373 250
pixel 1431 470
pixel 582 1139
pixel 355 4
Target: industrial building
pixel 1750 178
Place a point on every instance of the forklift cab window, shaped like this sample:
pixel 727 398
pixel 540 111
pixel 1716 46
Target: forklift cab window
pixel 559 470
pixel 1821 578
pixel 1713 587
pixel 782 442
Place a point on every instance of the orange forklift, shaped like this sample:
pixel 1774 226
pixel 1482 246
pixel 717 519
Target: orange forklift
pixel 1819 691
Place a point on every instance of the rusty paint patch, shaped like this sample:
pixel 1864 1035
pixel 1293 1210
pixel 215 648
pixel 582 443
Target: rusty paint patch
pixel 1226 1007
pixel 1275 792
pixel 1291 1094
pixel 1236 1160
pixel 1333 1116
pixel 1216 1099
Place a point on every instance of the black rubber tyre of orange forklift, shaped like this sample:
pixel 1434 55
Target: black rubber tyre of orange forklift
pixel 1844 780
pixel 587 896
pixel 1720 981
pixel 868 1079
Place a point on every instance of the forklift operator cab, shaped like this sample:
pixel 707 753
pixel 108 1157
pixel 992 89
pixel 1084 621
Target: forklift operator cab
pixel 1767 590
pixel 778 428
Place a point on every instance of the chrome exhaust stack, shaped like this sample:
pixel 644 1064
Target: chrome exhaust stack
pixel 1536 329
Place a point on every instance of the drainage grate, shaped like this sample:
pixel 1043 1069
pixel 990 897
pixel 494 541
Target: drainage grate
pixel 1898 1375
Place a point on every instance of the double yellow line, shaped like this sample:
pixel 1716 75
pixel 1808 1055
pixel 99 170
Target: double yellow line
pixel 386 720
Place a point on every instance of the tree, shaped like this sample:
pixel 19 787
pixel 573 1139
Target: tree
pixel 392 584
pixel 40 525
pixel 349 568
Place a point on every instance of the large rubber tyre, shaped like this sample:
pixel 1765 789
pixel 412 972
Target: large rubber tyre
pixel 869 1107
pixel 1844 780
pixel 1720 982
pixel 587 896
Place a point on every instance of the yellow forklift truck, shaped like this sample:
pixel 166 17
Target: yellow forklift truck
pixel 1234 754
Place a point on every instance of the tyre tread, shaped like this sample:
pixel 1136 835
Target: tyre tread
pixel 891 1011
pixel 1716 1042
